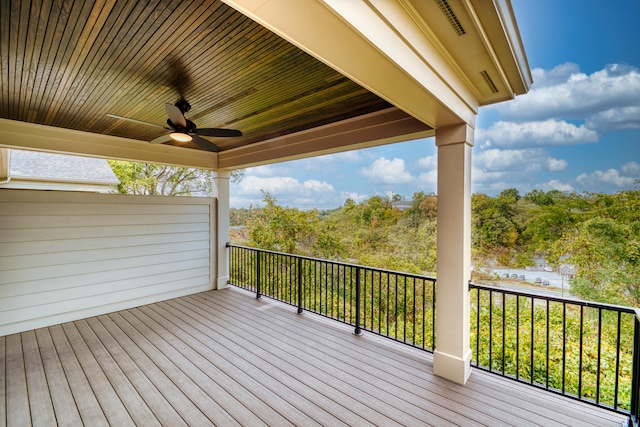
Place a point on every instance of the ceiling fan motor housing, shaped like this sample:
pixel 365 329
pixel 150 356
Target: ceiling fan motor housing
pixel 183 105
pixel 190 128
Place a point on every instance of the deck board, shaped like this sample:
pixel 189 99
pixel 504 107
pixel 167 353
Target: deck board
pixel 3 381
pixel 176 397
pixel 40 403
pixel 225 358
pixel 65 408
pixel 163 411
pixel 17 394
pixel 84 396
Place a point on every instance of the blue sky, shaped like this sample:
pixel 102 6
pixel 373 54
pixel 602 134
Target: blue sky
pixel 578 129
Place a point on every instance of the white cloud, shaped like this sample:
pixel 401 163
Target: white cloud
pixel 333 162
pixel 428 162
pixel 533 159
pixel 352 156
pixel 555 165
pixel 495 170
pixel 543 133
pixel 556 76
pixel 287 190
pixel 631 169
pixel 356 197
pixel 564 92
pixel 593 181
pixel 482 176
pixel 267 170
pixel 555 184
pixel 429 180
pixel 615 119
pixel 387 171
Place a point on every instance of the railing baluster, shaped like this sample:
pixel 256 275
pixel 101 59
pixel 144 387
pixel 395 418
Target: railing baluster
pixel 395 281
pixel 580 352
pixel 517 336
pixel 635 382
pixel 617 381
pixel 478 326
pixel 504 328
pixel 433 315
pixel 599 355
pixel 404 311
pixel 413 321
pixel 533 303
pixel 548 346
pixel 258 275
pixel 300 285
pixel 358 331
pixel 564 345
pixel 491 330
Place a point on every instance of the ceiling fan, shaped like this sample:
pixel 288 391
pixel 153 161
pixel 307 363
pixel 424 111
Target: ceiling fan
pixel 184 130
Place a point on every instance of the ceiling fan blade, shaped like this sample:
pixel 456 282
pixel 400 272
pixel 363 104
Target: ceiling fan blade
pixel 175 115
pixel 161 139
pixel 204 144
pixel 219 132
pixel 129 119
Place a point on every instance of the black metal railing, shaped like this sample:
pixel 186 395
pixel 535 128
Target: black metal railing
pixel 395 305
pixel 584 350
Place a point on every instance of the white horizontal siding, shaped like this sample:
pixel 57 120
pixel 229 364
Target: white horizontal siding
pixel 65 256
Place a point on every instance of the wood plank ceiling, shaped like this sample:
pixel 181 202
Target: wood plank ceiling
pixel 69 63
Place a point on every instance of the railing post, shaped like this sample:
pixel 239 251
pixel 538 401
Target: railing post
pixel 635 369
pixel 358 331
pixel 300 276
pixel 258 295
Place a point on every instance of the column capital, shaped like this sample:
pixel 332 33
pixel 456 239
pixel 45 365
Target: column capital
pixel 223 174
pixel 455 134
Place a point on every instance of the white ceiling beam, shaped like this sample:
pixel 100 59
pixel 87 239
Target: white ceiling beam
pixel 28 136
pixel 379 128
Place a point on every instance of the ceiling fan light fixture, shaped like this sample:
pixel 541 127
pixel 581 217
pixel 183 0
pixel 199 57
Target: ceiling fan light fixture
pixel 180 137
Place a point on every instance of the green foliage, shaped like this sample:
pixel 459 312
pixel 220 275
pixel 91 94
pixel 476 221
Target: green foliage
pixel 241 216
pixel 514 335
pixel 153 179
pixel 604 248
pixel 162 180
pixel 595 233
pixel 289 230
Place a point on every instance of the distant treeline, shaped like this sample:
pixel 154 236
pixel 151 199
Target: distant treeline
pixel 597 234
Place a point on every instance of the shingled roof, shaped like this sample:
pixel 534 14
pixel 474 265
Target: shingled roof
pixel 38 170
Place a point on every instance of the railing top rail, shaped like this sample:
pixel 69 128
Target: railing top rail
pixel 583 303
pixel 381 270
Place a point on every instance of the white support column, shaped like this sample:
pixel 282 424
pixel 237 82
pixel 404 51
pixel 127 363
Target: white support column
pixel 222 230
pixel 452 356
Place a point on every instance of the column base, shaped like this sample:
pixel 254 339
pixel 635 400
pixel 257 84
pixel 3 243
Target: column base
pixel 223 282
pixel 451 367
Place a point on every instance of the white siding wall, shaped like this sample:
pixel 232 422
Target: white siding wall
pixel 67 256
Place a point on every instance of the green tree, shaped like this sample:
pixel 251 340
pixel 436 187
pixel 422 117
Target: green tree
pixel 604 249
pixel 290 230
pixel 153 179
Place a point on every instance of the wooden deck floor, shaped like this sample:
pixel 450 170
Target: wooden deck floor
pixel 225 358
